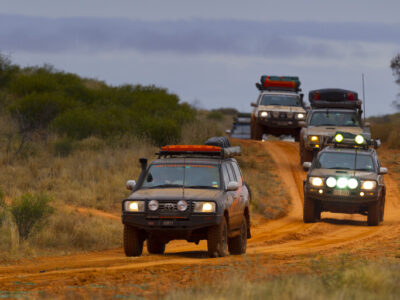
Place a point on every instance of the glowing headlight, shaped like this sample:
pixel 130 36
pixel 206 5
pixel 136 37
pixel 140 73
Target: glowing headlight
pixel 153 205
pixel 359 139
pixel 134 206
pixel 316 181
pixel 264 114
pixel 300 116
pixel 314 138
pixel 182 205
pixel 368 185
pixel 204 207
pixel 341 183
pixel 331 182
pixel 339 138
pixel 352 183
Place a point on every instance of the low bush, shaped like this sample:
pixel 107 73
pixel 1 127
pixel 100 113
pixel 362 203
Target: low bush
pixel 30 211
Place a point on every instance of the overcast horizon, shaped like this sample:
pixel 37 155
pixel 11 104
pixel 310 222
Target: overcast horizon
pixel 209 59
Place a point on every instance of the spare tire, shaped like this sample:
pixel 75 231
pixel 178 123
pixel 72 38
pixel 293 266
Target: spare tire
pixel 220 141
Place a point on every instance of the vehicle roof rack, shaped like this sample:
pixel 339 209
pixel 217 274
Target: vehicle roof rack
pixel 198 151
pixel 343 139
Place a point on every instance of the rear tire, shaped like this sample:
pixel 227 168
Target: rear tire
pixel 238 244
pixel 217 239
pixel 133 241
pixel 155 247
pixel 257 131
pixel 374 214
pixel 309 210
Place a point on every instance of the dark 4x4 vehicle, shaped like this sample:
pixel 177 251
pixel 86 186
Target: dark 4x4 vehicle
pixel 192 192
pixel 345 178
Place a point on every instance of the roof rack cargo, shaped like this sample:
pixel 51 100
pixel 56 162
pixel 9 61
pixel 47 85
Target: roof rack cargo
pixel 279 83
pixel 334 98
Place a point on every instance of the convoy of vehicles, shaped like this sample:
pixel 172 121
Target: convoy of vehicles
pixel 191 192
pixel 279 109
pixel 197 192
pixel 346 177
pixel 332 110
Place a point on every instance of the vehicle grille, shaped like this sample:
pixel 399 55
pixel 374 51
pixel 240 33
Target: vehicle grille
pixel 172 207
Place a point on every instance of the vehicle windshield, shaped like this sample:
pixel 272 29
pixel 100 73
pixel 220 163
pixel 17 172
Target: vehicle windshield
pixel 182 175
pixel 334 118
pixel 285 100
pixel 345 161
pixel 241 129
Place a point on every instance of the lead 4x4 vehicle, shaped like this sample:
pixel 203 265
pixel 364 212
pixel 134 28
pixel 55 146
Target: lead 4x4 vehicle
pixel 279 109
pixel 191 192
pixel 332 110
pixel 345 178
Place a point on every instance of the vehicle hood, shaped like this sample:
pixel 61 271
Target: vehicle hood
pixel 297 109
pixel 175 194
pixel 363 175
pixel 331 130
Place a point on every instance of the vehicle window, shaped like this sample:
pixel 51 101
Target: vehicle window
pixel 225 175
pixel 285 100
pixel 237 172
pixel 230 172
pixel 182 175
pixel 345 161
pixel 332 118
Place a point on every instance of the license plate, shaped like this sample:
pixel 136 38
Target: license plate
pixel 341 192
pixel 168 222
pixel 282 123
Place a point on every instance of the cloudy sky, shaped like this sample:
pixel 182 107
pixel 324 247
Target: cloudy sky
pixel 211 52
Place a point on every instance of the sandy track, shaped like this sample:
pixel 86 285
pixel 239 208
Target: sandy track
pixel 286 238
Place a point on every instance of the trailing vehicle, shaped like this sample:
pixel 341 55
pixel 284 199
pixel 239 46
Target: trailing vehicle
pixel 345 177
pixel 332 110
pixel 279 109
pixel 191 192
pixel 240 127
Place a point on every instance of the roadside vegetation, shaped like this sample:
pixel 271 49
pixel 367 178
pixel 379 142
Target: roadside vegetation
pixel 386 128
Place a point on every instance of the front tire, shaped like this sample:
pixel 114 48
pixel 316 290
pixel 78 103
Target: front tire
pixel 257 131
pixel 133 241
pixel 309 210
pixel 217 239
pixel 238 244
pixel 155 247
pixel 374 214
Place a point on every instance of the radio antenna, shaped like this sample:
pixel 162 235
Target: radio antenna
pixel 363 91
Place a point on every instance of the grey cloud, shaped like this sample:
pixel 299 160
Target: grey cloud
pixel 267 39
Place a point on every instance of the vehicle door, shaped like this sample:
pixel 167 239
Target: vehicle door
pixel 236 209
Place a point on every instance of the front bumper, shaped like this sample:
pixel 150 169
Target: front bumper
pixel 281 122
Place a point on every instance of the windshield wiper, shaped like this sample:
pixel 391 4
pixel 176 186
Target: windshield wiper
pixel 339 168
pixel 200 187
pixel 165 186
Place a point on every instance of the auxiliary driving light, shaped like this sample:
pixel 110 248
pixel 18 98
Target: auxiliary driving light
pixel 352 183
pixel 339 138
pixel 331 182
pixel 341 183
pixel 182 205
pixel 153 205
pixel 359 139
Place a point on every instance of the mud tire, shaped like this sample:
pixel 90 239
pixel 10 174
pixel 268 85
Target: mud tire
pixel 133 241
pixel 374 214
pixel 257 131
pixel 155 247
pixel 382 208
pixel 217 240
pixel 309 210
pixel 238 244
pixel 305 155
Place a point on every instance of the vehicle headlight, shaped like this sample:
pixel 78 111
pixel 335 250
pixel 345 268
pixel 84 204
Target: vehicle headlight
pixel 352 183
pixel 264 114
pixel 368 185
pixel 153 205
pixel 316 181
pixel 204 207
pixel 314 138
pixel 182 205
pixel 331 182
pixel 359 139
pixel 134 206
pixel 300 116
pixel 341 183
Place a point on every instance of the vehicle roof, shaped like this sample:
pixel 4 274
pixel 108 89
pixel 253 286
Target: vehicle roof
pixel 334 149
pixel 186 159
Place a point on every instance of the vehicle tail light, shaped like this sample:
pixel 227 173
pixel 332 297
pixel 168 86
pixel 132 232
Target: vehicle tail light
pixel 317 96
pixel 350 96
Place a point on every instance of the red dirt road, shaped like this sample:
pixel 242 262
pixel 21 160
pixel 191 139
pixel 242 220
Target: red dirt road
pixel 274 243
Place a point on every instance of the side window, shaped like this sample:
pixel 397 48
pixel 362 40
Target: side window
pixel 230 172
pixel 225 175
pixel 237 172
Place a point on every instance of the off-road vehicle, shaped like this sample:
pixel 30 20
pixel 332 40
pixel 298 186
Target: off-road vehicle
pixel 346 177
pixel 279 109
pixel 240 127
pixel 332 110
pixel 191 192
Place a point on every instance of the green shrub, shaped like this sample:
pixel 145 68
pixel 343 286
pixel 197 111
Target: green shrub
pixel 7 70
pixel 215 115
pixel 63 147
pixel 30 211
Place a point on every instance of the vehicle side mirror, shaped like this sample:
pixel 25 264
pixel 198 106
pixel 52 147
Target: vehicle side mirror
pixel 228 131
pixel 253 104
pixel 232 186
pixel 306 165
pixel 383 171
pixel 130 184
